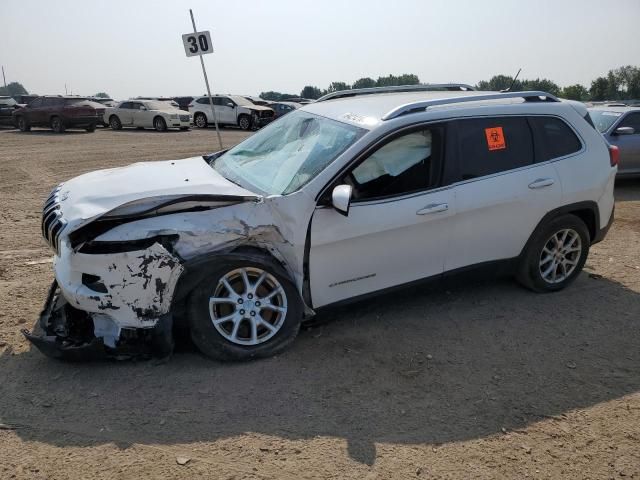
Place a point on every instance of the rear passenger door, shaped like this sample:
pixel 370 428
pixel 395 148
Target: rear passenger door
pixel 504 185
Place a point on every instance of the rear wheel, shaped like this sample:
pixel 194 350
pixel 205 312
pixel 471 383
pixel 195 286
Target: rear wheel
pixel 23 125
pixel 57 125
pixel 115 123
pixel 200 120
pixel 244 309
pixel 555 255
pixel 159 124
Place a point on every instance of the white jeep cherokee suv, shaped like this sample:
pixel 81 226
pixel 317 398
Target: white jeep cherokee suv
pixel 230 110
pixel 359 192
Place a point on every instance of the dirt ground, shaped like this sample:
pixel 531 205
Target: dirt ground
pixel 472 379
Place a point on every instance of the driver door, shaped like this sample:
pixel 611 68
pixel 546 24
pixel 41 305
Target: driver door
pixel 398 224
pixel 226 114
pixel 124 113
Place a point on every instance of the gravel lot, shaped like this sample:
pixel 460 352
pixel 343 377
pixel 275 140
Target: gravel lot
pixel 472 379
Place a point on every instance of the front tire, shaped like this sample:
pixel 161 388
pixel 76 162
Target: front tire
pixel 244 122
pixel 555 254
pixel 245 308
pixel 159 124
pixel 23 125
pixel 200 120
pixel 57 125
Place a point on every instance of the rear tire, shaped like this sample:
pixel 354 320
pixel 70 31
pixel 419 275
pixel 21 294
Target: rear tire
pixel 23 125
pixel 57 125
pixel 200 120
pixel 115 123
pixel 555 254
pixel 263 316
pixel 159 124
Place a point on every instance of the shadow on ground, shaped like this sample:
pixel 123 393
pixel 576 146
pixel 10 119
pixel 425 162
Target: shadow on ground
pixel 421 366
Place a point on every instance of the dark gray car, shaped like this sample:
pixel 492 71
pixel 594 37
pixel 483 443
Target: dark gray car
pixel 621 127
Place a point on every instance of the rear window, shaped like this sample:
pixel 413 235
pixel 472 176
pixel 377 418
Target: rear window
pixel 554 138
pixel 493 145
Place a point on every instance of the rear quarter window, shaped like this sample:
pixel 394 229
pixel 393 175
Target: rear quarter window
pixel 492 145
pixel 553 138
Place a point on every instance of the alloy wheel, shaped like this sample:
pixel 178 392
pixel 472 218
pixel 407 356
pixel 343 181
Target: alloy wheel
pixel 248 306
pixel 560 256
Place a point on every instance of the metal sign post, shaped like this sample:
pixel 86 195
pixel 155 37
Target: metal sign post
pixel 199 43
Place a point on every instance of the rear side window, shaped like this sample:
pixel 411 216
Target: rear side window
pixel 554 138
pixel 492 145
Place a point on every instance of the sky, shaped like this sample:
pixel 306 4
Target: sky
pixel 129 48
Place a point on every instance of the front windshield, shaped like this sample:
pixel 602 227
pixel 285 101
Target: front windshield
pixel 603 119
pixel 288 153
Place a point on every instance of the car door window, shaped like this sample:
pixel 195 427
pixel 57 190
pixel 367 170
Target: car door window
pixel 553 138
pixel 125 105
pixel 631 120
pixel 492 145
pixel 137 106
pixel 407 163
pixel 37 103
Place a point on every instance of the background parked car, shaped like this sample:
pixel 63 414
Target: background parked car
pixel 7 106
pixel 147 114
pixel 59 113
pixel 230 110
pixel 282 108
pixel 621 127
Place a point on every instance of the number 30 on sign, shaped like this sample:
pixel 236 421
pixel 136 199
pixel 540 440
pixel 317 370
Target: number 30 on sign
pixel 197 43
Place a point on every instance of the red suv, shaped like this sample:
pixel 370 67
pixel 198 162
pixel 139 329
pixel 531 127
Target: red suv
pixel 59 113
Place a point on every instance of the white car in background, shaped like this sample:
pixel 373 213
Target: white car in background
pixel 230 110
pixel 147 114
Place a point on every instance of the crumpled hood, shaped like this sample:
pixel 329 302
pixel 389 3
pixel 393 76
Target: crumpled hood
pixel 92 195
pixel 259 108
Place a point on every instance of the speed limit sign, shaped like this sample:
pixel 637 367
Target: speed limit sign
pixel 197 43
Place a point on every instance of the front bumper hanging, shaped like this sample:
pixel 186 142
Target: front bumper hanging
pixel 66 333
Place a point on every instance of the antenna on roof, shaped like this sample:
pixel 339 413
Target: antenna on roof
pixel 512 81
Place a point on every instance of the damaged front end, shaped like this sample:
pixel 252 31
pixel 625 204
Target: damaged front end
pixel 66 333
pixel 109 303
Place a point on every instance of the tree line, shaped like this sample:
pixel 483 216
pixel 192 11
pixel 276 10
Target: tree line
pixel 618 84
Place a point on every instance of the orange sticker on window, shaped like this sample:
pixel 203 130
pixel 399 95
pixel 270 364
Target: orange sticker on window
pixel 495 138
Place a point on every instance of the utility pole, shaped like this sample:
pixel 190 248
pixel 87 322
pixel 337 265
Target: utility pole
pixel 4 79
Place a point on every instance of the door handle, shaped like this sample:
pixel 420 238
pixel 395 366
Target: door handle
pixel 541 183
pixel 433 208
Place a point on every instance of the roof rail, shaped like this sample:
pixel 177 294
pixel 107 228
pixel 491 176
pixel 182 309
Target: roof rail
pixel 414 107
pixel 400 88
